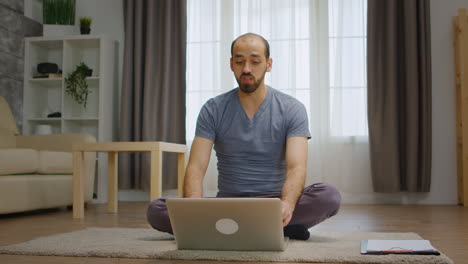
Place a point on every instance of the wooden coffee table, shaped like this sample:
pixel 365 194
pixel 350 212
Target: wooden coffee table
pixel 112 148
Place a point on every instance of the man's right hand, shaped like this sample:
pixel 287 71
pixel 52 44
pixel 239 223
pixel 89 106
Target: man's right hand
pixel 287 211
pixel 200 154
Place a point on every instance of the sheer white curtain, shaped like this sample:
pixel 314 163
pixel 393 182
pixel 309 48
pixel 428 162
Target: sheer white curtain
pixel 319 55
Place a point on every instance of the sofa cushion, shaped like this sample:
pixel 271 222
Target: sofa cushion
pixel 18 161
pixel 55 162
pixel 7 139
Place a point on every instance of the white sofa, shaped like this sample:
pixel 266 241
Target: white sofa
pixel 36 171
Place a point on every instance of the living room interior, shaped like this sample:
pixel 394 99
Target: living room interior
pixel 434 209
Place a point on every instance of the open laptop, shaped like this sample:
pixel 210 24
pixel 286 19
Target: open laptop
pixel 251 224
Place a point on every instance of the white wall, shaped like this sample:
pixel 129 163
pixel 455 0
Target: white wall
pixel 33 9
pixel 444 172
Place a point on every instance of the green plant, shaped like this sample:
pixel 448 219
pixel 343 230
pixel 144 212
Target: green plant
pixel 77 87
pixel 85 22
pixel 60 12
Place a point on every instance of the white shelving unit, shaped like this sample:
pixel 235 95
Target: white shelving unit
pixel 44 96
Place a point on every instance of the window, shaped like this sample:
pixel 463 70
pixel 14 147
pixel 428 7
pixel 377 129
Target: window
pixel 347 22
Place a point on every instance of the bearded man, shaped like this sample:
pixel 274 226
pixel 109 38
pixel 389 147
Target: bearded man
pixel 260 137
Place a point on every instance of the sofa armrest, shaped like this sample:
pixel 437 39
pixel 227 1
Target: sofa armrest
pixel 53 142
pixel 64 142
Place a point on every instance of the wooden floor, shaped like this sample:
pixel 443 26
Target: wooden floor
pixel 445 226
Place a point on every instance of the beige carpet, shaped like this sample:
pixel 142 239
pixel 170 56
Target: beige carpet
pixel 328 247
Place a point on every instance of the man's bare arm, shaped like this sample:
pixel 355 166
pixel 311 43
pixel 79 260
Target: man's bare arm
pixel 296 166
pixel 198 163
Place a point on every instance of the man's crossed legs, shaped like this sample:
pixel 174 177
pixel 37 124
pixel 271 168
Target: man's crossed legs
pixel 318 202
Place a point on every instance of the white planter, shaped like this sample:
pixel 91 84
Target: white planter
pixel 43 130
pixel 61 30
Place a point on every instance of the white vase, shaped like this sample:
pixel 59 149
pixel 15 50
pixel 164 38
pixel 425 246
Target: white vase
pixel 43 129
pixel 60 30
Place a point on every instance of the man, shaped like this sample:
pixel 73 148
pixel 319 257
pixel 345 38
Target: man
pixel 260 138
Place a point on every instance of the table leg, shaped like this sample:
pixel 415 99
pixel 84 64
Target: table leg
pixel 180 173
pixel 78 196
pixel 155 176
pixel 112 190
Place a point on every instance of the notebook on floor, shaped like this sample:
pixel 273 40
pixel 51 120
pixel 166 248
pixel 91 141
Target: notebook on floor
pixel 379 247
pixel 242 224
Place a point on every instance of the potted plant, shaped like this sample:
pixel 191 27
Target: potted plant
pixel 85 25
pixel 60 12
pixel 76 84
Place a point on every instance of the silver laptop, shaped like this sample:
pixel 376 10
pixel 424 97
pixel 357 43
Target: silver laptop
pixel 251 224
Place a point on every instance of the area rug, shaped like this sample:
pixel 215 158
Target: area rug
pixel 323 247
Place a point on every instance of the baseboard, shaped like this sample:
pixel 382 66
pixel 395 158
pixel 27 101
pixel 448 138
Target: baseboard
pixel 134 196
pixel 138 196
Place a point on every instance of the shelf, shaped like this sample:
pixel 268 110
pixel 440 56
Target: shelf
pixel 47 44
pixel 67 37
pixel 82 119
pixel 39 51
pixel 58 81
pixel 93 81
pixel 39 80
pixel 87 51
pixel 55 119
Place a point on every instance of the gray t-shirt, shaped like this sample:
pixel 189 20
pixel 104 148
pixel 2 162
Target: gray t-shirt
pixel 251 152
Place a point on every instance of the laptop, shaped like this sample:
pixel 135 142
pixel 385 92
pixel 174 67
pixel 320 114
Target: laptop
pixel 240 224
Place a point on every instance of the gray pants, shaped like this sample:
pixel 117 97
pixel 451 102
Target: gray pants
pixel 318 202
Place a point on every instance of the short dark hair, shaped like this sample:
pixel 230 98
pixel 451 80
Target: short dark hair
pixel 267 45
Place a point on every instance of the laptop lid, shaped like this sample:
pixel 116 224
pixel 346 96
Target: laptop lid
pixel 251 224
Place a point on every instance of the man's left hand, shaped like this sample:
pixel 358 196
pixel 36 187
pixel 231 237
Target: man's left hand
pixel 287 211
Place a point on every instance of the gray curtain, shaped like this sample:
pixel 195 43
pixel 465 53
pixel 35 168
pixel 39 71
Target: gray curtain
pixel 399 94
pixel 153 86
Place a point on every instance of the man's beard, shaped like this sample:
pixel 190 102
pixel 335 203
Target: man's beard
pixel 249 87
